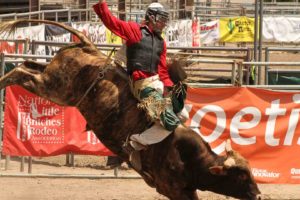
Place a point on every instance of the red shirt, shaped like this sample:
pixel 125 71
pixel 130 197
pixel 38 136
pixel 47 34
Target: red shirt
pixel 131 33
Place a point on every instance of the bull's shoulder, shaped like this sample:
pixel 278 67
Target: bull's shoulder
pixel 191 146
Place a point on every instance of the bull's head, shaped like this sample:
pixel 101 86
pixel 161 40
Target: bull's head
pixel 236 177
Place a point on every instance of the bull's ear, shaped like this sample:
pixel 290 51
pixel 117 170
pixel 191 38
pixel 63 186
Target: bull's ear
pixel 218 170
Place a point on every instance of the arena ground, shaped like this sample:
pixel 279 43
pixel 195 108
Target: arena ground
pixel 14 188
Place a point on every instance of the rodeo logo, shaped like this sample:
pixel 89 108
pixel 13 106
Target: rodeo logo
pixel 92 138
pixel 39 120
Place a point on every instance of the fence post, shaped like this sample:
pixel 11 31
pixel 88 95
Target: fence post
pixel 69 15
pixel 7 159
pixel 248 67
pixel 233 72
pixel 2 57
pixel 22 167
pixel 116 171
pixel 29 165
pixel 67 159
pixel 72 159
pixel 267 59
pixel 26 46
pixel 33 47
pixel 240 72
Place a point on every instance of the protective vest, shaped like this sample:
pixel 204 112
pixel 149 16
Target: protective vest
pixel 145 55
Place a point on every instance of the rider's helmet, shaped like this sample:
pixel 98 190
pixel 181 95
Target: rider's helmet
pixel 158 11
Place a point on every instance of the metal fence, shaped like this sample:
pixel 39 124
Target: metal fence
pixel 238 68
pixel 205 11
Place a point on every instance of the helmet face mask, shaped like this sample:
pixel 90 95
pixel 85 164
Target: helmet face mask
pixel 162 16
pixel 158 12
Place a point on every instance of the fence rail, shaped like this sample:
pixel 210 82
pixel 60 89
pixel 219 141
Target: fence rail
pixel 136 12
pixel 238 68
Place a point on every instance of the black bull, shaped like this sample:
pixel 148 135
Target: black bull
pixel 176 167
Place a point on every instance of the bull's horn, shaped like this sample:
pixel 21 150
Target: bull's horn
pixel 228 147
pixel 229 162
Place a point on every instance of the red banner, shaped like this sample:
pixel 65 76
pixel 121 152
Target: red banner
pixel 34 126
pixel 263 126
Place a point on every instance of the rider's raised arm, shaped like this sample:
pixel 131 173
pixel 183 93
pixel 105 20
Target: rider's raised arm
pixel 128 31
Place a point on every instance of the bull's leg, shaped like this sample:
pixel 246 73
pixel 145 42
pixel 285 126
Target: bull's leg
pixel 27 75
pixel 30 64
pixel 183 194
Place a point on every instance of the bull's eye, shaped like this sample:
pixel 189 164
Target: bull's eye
pixel 243 177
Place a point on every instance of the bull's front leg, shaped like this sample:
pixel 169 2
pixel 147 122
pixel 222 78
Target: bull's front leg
pixel 28 75
pixel 175 193
pixel 185 195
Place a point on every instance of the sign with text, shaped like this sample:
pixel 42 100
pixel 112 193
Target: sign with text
pixel 237 29
pixel 263 126
pixel 34 126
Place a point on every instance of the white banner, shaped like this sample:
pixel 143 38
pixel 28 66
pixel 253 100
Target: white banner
pixel 57 38
pixel 33 33
pixel 189 33
pixel 172 34
pixel 179 33
pixel 209 32
pixel 182 32
pixel 95 32
pixel 281 29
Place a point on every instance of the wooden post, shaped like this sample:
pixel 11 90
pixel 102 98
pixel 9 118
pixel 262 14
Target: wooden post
pixel 29 165
pixel 181 9
pixel 122 9
pixel 189 9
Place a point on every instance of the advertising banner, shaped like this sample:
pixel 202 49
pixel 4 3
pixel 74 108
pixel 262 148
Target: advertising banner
pixel 172 34
pixel 11 47
pixel 237 29
pixel 33 33
pixel 34 126
pixel 196 33
pixel 180 33
pixel 263 126
pixel 96 32
pixel 209 32
pixel 112 38
pixel 281 29
pixel 56 34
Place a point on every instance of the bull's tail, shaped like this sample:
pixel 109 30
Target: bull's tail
pixel 10 26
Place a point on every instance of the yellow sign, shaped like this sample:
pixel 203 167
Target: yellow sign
pixel 111 38
pixel 237 29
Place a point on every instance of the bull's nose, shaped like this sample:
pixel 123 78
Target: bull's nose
pixel 259 197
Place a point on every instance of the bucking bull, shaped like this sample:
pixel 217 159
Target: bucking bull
pixel 80 75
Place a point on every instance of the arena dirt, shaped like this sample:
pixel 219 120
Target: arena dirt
pixel 13 188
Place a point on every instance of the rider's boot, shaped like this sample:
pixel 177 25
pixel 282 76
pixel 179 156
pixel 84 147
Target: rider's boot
pixel 183 115
pixel 133 150
pixel 138 142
